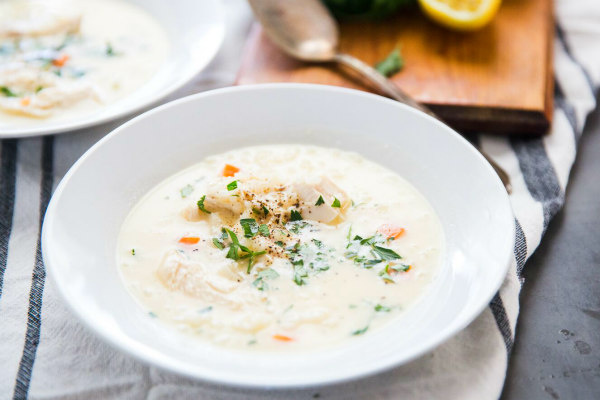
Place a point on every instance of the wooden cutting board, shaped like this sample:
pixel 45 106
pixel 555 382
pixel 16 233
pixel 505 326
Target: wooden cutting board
pixel 497 80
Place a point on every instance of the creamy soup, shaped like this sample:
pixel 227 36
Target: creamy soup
pixel 66 59
pixel 280 247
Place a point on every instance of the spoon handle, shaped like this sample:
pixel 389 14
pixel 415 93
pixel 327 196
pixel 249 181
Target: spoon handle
pixel 393 91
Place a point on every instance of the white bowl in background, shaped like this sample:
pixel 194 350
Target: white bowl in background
pixel 195 31
pixel 86 212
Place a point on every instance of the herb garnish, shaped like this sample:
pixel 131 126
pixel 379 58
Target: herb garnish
pixel 186 191
pixel 368 251
pixel 307 257
pixel 296 226
pixel 39 89
pixel 263 229
pixel 218 244
pixel 386 254
pixel 262 276
pixel 360 331
pixel 320 201
pixel 250 227
pixel 235 246
pixel 336 203
pixel 200 204
pixel 7 92
pixel 380 308
pixel 266 210
pixel 295 215
pixel 133 252
pixel 232 186
pixel 393 63
pixel 110 51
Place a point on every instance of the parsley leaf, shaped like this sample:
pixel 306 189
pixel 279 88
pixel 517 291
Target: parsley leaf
pixel 386 254
pixel 264 230
pixel 380 308
pixel 250 227
pixel 110 51
pixel 232 186
pixel 336 203
pixel 200 204
pixel 320 201
pixel 295 216
pixel 218 244
pixel 266 210
pixel 7 92
pixel 262 276
pixel 186 191
pixel 392 64
pixel 360 331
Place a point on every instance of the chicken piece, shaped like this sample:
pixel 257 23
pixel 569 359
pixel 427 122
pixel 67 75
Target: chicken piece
pixel 37 18
pixel 178 274
pixel 310 194
pixel 220 200
pixel 56 92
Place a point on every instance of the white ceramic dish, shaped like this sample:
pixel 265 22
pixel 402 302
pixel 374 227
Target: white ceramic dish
pixel 195 31
pixel 87 210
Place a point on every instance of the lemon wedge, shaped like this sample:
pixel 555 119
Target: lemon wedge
pixel 462 15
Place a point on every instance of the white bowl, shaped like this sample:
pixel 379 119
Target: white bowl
pixel 195 31
pixel 87 210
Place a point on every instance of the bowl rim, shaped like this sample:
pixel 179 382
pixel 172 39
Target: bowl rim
pixel 144 105
pixel 137 352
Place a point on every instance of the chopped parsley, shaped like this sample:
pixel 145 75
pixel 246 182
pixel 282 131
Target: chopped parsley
pixel 204 210
pixel 263 229
pixel 250 227
pixel 235 247
pixel 186 191
pixel 232 185
pixel 7 92
pixel 320 201
pixel 264 275
pixel 336 203
pixel 205 310
pixel 265 210
pixel 218 244
pixel 380 308
pixel 386 254
pixel 296 226
pixel 295 216
pixel 110 51
pixel 308 257
pixel 392 64
pixel 39 89
pixel 360 331
pixel 368 252
pixel 133 252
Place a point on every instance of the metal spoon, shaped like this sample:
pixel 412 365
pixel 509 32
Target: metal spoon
pixel 307 31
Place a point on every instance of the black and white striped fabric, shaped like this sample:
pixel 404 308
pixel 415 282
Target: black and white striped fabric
pixel 46 354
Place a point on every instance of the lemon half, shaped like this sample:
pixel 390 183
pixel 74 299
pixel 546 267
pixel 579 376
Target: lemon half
pixel 462 15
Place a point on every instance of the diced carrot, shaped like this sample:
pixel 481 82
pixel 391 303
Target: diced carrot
pixel 391 231
pixel 282 338
pixel 59 62
pixel 25 101
pixel 230 170
pixel 189 240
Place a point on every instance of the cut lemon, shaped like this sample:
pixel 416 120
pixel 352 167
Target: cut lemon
pixel 462 15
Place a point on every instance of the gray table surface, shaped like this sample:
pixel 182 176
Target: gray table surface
pixel 557 347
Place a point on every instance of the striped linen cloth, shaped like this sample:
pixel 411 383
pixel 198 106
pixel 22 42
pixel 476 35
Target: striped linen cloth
pixel 45 353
